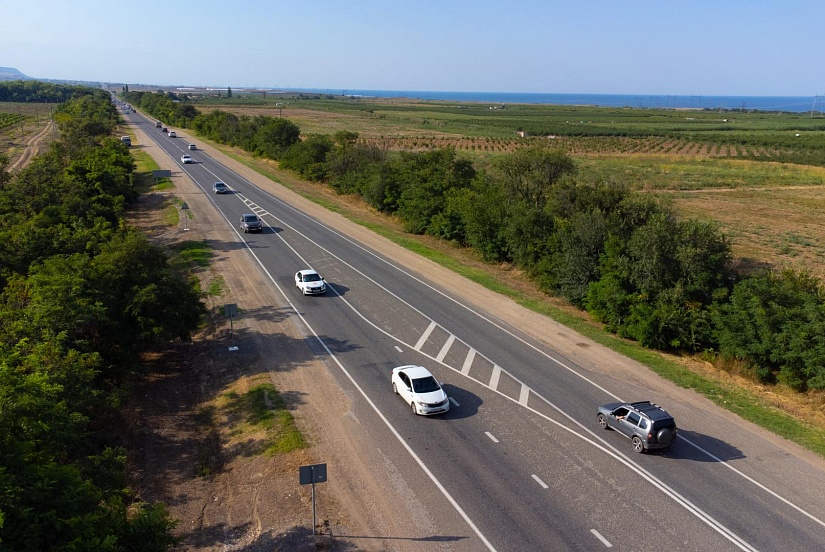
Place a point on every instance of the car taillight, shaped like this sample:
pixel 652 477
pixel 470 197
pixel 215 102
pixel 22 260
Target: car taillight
pixel 649 436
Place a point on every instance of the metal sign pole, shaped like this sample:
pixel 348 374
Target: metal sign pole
pixel 315 473
pixel 313 502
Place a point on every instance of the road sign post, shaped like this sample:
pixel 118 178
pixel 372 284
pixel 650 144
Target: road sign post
pixel 185 209
pixel 230 310
pixel 312 474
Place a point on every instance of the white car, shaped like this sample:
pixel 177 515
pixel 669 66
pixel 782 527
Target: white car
pixel 172 134
pixel 419 389
pixel 310 282
pixel 193 147
pixel 186 159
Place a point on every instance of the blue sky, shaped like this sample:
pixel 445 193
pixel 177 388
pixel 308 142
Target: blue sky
pixel 685 47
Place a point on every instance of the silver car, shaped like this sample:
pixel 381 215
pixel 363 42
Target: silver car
pixel 647 425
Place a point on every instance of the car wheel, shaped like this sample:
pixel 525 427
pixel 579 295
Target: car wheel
pixel 394 388
pixel 603 422
pixel 638 445
pixel 412 405
pixel 665 436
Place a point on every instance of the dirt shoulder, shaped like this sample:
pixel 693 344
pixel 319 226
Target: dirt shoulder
pixel 251 502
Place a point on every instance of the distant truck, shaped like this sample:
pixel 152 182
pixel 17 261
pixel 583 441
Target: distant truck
pixel 158 124
pixel 126 140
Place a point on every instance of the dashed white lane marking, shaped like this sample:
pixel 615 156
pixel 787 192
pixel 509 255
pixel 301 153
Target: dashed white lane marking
pixel 493 439
pixel 446 348
pixel 399 349
pixel 540 482
pixel 455 402
pixel 494 377
pixel 601 538
pixel 468 361
pixel 525 393
pixel 426 335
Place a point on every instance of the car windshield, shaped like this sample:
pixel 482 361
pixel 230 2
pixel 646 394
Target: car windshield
pixel 312 277
pixel 425 385
pixel 250 218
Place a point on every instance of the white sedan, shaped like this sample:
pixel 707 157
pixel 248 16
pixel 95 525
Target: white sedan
pixel 186 159
pixel 310 282
pixel 419 389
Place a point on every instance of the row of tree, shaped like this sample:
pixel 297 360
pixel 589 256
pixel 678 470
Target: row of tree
pixel 622 256
pixel 164 106
pixel 32 91
pixel 81 296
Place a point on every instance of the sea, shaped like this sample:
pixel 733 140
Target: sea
pixel 798 104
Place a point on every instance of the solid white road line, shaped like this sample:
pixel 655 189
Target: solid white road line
pixel 455 402
pixel 494 377
pixel 399 349
pixel 445 349
pixel 524 395
pixel 426 335
pixel 468 361
pixel 492 438
pixel 540 482
pixel 601 538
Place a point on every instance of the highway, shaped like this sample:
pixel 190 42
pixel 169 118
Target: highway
pixel 519 462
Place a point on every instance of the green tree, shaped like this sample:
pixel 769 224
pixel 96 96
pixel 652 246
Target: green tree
pixel 530 173
pixel 274 137
pixel 309 157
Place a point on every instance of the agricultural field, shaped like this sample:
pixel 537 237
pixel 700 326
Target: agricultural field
pixel 759 175
pixel 23 129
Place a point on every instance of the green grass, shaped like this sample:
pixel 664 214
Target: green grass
pixel 194 253
pixel 216 287
pixel 263 410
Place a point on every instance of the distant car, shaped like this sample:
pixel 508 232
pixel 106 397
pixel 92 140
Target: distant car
pixel 193 147
pixel 419 389
pixel 251 223
pixel 647 425
pixel 310 282
pixel 172 134
pixel 165 129
pixel 186 159
pixel 158 124
pixel 220 188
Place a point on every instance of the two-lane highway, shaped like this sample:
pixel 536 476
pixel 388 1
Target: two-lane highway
pixel 519 460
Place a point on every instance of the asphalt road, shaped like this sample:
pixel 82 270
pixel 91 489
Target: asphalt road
pixel 519 462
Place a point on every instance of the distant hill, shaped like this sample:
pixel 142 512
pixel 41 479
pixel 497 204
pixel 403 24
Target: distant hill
pixel 10 73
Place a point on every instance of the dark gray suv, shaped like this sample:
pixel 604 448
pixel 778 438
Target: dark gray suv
pixel 647 425
pixel 251 223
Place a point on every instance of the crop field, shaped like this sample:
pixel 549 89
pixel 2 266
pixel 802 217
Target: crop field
pixel 759 175
pixel 9 119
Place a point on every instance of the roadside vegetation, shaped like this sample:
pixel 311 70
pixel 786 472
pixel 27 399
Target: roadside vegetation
pixel 82 297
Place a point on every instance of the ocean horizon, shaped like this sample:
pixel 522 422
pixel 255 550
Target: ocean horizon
pixel 797 104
